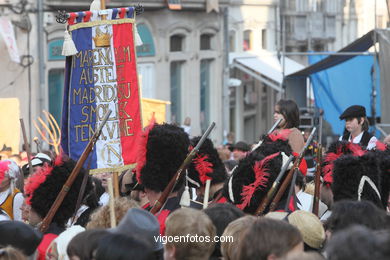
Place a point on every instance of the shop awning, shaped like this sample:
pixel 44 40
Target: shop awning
pixel 264 67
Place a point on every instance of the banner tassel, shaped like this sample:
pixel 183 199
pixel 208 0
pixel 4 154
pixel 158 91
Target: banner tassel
pixel 138 40
pixel 69 48
pixel 95 6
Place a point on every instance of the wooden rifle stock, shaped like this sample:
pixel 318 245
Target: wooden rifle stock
pixel 317 182
pixel 290 174
pixel 68 184
pixel 172 183
pixel 270 194
pixel 269 131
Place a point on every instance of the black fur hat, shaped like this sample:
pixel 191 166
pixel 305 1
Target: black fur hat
pixel 207 155
pixel 243 188
pixel 357 178
pixel 335 151
pixel 384 166
pixel 43 187
pixel 164 149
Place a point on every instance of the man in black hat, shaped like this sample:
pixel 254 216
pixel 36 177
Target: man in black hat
pixel 240 150
pixel 356 127
pixel 162 149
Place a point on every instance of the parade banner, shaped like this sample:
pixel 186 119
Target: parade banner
pixel 102 76
pixel 153 107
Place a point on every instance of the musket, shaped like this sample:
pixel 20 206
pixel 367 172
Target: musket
pixel 275 185
pixel 269 131
pixel 290 174
pixel 68 184
pixel 172 183
pixel 317 182
pixel 26 146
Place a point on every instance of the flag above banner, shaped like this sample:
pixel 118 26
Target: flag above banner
pixel 102 76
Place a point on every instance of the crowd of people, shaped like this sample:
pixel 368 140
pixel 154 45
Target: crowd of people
pixel 232 202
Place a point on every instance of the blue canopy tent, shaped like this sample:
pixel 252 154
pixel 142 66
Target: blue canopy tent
pixel 342 80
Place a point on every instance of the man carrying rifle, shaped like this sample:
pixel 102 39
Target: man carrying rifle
pixel 255 175
pixel 42 189
pixel 206 165
pixel 161 152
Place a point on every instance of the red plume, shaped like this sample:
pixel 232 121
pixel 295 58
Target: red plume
pixel 203 167
pixel 280 135
pixel 35 180
pixel 380 146
pixel 261 180
pixel 142 148
pixel 3 169
pixel 356 149
pixel 59 160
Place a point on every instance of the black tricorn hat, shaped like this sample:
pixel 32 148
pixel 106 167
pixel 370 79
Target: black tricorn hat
pixel 209 154
pixel 353 111
pixel 357 178
pixel 165 149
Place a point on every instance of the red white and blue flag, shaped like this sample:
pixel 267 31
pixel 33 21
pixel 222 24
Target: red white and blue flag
pixel 102 76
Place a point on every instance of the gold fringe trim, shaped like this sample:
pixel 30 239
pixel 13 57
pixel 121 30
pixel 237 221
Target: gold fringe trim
pixel 102 22
pixel 116 169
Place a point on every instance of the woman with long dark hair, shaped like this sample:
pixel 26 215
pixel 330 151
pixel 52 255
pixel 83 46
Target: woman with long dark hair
pixel 288 111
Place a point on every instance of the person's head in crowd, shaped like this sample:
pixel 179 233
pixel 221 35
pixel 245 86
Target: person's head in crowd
pixel 84 244
pixel 162 150
pixel 347 213
pixel 57 248
pixel 221 215
pixel 37 161
pixel 223 152
pixel 141 224
pixel 122 247
pixel 358 243
pixel 10 253
pixel 97 186
pixel 268 239
pixel 101 217
pixel 305 256
pixel 355 120
pixel 288 111
pixel 43 187
pixel 239 150
pixel 131 187
pixel 103 177
pixel 311 228
pixel 206 164
pixel 230 137
pixel 9 173
pixel 234 230
pixel 20 236
pixel 193 226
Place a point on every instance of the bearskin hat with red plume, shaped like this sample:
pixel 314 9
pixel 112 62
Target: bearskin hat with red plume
pixel 206 164
pixel 43 187
pixel 252 179
pixel 165 147
pixel 357 178
pixel 383 158
pixel 335 151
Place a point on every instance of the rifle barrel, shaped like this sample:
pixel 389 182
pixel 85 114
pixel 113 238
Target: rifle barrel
pixel 69 182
